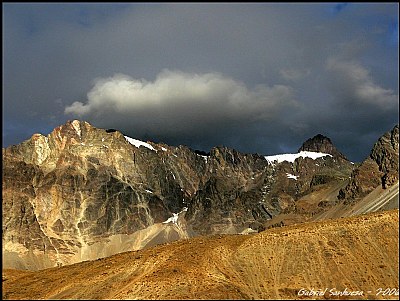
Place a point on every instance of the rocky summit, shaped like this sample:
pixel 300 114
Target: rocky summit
pixel 381 168
pixel 82 193
pixel 323 144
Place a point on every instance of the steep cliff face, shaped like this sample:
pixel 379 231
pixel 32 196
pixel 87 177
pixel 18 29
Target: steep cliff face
pixel 80 185
pixel 230 196
pixel 386 154
pixel 81 192
pixel 380 168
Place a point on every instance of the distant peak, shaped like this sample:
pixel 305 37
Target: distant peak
pixel 77 122
pixel 322 144
pixel 320 137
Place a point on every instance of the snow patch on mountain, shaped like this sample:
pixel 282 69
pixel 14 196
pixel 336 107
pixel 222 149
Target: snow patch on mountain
pixel 76 125
pixel 204 157
pixel 291 157
pixel 174 217
pixel 138 143
pixel 290 176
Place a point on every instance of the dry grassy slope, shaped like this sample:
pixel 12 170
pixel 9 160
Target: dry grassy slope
pixel 357 253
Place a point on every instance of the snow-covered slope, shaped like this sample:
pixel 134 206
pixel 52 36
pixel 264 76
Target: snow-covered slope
pixel 138 143
pixel 291 157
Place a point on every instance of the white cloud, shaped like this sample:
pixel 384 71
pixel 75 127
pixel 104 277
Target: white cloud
pixel 188 101
pixel 354 84
pixel 77 108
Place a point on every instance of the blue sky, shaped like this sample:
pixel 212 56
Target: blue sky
pixel 258 77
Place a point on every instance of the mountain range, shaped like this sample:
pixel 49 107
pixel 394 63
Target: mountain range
pixel 83 193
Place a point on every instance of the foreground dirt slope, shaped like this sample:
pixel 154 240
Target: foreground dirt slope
pixel 356 253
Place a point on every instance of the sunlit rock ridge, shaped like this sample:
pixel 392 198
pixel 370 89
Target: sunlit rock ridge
pixel 82 193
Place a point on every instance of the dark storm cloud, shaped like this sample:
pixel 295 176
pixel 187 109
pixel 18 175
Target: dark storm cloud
pixel 268 76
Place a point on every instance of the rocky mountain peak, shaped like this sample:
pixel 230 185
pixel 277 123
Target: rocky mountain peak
pixel 72 130
pixel 386 150
pixel 322 144
pixel 385 153
pixel 381 167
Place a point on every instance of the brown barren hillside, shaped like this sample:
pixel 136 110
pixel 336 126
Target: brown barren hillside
pixel 356 255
